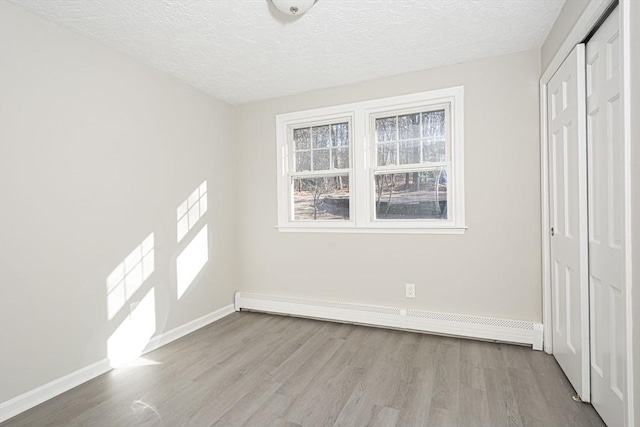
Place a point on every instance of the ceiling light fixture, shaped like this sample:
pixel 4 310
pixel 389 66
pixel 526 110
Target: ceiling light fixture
pixel 293 7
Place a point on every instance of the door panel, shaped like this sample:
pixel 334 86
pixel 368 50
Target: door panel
pixel 606 222
pixel 567 182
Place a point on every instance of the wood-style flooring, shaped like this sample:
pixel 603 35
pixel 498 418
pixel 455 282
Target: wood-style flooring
pixel 256 369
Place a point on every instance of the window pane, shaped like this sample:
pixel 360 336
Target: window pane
pixel 409 126
pixel 386 129
pixel 303 161
pixel 434 150
pixel 387 154
pixel 433 132
pixel 324 198
pixel 340 134
pixel 302 138
pixel 320 160
pixel 320 135
pixel 433 124
pixel 340 158
pixel 421 138
pixel 412 195
pixel 410 152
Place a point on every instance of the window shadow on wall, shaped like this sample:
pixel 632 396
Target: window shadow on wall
pixel 191 261
pixel 132 300
pixel 124 284
pixel 195 255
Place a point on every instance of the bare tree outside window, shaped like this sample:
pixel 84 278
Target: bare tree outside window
pixel 416 195
pixel 325 198
pixel 321 148
pixel 417 138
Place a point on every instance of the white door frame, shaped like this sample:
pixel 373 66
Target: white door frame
pixel 589 18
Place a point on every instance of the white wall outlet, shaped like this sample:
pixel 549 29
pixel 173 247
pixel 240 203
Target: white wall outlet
pixel 411 290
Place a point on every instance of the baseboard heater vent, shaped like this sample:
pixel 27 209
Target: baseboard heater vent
pixel 487 328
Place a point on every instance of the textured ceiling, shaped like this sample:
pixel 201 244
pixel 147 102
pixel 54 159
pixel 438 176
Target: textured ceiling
pixel 246 50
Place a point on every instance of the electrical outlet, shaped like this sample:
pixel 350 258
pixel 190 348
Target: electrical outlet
pixel 411 290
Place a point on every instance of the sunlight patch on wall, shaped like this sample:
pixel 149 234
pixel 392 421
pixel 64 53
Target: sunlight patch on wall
pixel 191 261
pixel 191 210
pixel 134 333
pixel 129 275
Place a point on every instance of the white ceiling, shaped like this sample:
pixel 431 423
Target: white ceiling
pixel 246 50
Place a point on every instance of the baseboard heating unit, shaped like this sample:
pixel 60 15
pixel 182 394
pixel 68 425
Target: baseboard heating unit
pixel 461 325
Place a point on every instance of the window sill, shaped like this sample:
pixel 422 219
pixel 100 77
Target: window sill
pixel 374 230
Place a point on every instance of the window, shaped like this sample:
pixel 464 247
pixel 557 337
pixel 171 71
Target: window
pixel 387 165
pixel 321 174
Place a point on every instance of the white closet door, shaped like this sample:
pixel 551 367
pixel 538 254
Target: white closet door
pixel 606 222
pixel 568 204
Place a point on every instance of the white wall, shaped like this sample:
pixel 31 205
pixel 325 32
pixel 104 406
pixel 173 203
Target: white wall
pixel 494 269
pixel 97 151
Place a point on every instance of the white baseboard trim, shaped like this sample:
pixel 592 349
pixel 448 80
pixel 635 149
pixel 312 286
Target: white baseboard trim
pixel 28 400
pixel 486 328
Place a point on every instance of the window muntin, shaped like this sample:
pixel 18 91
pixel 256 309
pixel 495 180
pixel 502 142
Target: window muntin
pixel 405 170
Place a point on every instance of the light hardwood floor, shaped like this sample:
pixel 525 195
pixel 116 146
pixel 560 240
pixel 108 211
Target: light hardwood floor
pixel 257 369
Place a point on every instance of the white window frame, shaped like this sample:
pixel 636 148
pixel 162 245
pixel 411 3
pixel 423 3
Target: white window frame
pixel 286 166
pixel 361 116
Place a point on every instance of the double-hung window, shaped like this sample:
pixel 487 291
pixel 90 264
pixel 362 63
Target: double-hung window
pixel 321 171
pixel 386 165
